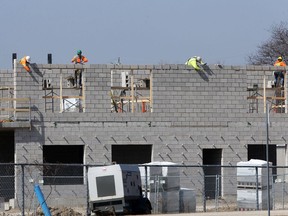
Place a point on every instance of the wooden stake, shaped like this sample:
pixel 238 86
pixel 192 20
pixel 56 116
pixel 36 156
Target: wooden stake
pixel 132 91
pixel 285 90
pixel 264 92
pixel 83 91
pixel 151 91
pixel 61 93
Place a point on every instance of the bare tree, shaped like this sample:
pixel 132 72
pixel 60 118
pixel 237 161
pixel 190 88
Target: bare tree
pixel 274 47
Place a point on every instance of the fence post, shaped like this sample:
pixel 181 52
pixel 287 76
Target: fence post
pixel 283 189
pixel 217 192
pixel 87 191
pixel 273 192
pixel 157 193
pixel 23 204
pixel 257 189
pixel 204 193
pixel 146 181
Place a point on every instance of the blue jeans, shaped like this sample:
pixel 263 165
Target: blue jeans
pixel 278 74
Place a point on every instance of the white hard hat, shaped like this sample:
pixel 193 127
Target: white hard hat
pixel 198 58
pixel 28 59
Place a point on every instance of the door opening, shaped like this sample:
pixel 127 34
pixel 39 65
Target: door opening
pixel 212 179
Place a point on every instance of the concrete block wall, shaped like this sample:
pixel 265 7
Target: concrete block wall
pixel 6 77
pixel 138 75
pixel 192 111
pixel 255 74
pixel 197 98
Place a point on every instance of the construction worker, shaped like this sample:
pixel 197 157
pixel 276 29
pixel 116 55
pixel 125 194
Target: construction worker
pixel 79 59
pixel 25 62
pixel 279 74
pixel 195 62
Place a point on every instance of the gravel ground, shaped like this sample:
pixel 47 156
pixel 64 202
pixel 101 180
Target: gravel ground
pixel 228 213
pixel 235 213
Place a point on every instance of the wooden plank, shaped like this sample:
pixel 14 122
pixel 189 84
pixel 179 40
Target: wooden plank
pixel 129 97
pixel 127 88
pixel 255 97
pixel 63 97
pixel 53 88
pixel 268 97
pixel 14 99
pixel 138 101
pixel 278 106
pixel 276 98
pixel 267 89
pixel 6 88
pixel 15 110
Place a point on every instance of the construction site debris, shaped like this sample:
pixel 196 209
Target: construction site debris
pixel 64 211
pixel 6 120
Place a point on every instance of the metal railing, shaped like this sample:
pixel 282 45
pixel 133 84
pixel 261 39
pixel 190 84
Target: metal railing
pixel 170 189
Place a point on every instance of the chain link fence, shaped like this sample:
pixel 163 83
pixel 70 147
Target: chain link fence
pixel 170 189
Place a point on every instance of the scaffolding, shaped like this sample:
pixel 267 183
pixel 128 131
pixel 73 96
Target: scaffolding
pixel 131 91
pixel 11 107
pixel 275 95
pixel 67 102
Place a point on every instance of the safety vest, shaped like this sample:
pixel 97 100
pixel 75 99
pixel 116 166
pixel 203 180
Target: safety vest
pixel 280 63
pixel 82 59
pixel 193 62
pixel 24 63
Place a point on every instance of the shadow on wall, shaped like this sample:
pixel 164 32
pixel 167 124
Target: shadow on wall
pixel 205 72
pixel 207 69
pixel 35 69
pixel 39 132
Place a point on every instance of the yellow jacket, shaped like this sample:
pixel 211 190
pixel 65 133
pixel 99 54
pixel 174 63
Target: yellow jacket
pixel 194 63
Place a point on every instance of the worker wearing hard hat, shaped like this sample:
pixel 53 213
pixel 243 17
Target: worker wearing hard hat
pixel 25 62
pixel 195 62
pixel 277 74
pixel 79 59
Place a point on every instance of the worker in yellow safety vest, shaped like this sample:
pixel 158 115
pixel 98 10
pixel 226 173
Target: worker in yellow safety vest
pixel 195 62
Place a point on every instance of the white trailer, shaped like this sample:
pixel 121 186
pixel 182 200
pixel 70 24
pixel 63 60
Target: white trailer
pixel 116 189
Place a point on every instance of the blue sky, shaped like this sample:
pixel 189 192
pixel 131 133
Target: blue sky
pixel 137 31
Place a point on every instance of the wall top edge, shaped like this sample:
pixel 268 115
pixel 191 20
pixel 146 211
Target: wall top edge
pixel 151 67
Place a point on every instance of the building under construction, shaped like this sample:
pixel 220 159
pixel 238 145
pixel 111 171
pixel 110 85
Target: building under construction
pixel 136 114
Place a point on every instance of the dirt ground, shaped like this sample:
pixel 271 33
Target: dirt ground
pixel 69 212
pixel 54 212
pixel 235 213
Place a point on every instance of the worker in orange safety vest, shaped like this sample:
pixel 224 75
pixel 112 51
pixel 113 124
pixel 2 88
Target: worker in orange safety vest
pixel 79 59
pixel 279 63
pixel 25 62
